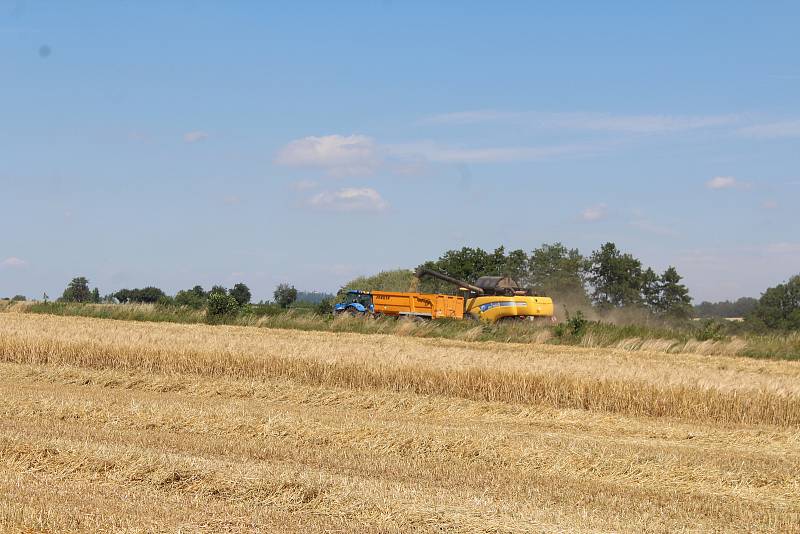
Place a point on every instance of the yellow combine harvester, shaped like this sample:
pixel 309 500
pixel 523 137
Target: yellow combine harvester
pixel 496 298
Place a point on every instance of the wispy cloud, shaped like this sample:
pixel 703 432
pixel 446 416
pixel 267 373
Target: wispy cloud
pixel 195 136
pixel 448 154
pixel 769 205
pixel 772 130
pixel 723 182
pixel 474 116
pixel 303 185
pixel 342 155
pixel 13 262
pixel 337 154
pixel 231 200
pixel 595 213
pixel 349 199
pixel 783 247
pixel 652 228
pixel 589 121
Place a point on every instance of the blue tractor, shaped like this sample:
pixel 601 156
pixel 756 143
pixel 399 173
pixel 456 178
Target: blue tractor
pixel 356 303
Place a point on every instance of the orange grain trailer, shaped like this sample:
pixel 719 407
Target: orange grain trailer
pixel 429 306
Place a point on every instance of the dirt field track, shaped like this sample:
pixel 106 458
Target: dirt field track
pixel 123 426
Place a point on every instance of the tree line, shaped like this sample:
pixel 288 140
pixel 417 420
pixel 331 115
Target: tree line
pixel 608 279
pixel 218 300
pixel 741 307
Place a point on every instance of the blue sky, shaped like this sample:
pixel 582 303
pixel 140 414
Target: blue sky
pixel 177 143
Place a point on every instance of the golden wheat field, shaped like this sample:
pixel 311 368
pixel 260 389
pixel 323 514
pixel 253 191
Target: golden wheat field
pixel 140 427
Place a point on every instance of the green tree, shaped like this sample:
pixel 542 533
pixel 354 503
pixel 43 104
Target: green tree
pixel 558 272
pixel 465 264
pixel 96 296
pixel 673 299
pixel 241 293
pixel 77 291
pixel 19 298
pixel 218 290
pixel 516 266
pixel 779 307
pixel 123 295
pixel 221 306
pixel 193 298
pixel 651 290
pixel 149 294
pixel 616 278
pixel 741 307
pixel 497 263
pixel 285 295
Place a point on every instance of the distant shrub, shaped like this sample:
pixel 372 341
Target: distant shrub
pixel 573 328
pixel 325 306
pixel 711 330
pixel 221 306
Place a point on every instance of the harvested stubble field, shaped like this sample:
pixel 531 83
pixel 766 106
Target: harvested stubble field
pixel 126 426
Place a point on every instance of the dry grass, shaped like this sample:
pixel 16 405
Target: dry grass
pixel 123 426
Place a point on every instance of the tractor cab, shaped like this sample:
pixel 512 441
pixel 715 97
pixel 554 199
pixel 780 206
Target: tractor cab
pixel 355 302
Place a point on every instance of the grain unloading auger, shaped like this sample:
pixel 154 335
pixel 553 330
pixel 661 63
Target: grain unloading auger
pixel 496 298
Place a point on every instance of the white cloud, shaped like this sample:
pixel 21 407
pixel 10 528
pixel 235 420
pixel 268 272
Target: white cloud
pixel 338 154
pixel 195 136
pixel 595 213
pixel 790 128
pixel 342 155
pixel 722 182
pixel 349 199
pixel 589 121
pixel 231 200
pixel 13 262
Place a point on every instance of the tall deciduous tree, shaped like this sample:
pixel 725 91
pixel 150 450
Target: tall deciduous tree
pixel 651 290
pixel 241 293
pixel 779 306
pixel 616 278
pixel 559 272
pixel 674 300
pixel 285 295
pixel 77 291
